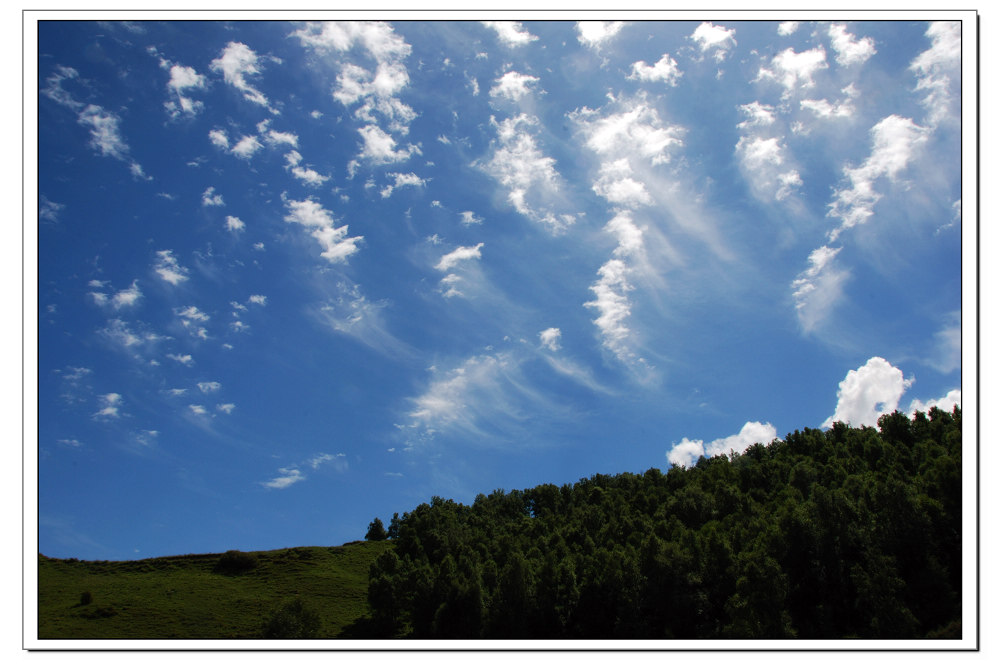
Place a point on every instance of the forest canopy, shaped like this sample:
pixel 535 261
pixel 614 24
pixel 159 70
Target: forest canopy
pixel 843 533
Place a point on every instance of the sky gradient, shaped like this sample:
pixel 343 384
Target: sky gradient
pixel 296 275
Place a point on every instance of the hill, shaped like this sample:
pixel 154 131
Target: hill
pixel 203 596
pixel 843 533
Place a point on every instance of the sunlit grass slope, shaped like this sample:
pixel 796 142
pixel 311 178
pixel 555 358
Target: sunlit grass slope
pixel 188 597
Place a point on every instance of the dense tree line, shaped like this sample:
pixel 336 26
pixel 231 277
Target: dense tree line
pixel 849 532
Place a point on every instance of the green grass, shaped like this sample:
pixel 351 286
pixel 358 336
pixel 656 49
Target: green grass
pixel 183 597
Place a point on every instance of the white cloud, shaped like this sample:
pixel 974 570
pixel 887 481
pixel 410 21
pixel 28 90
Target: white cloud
pixel 211 199
pixel 511 33
pixel 379 147
pixel 792 69
pixel 529 176
pixel 637 132
pixel 818 288
pixel 549 338
pixel 247 147
pixel 307 175
pixel 710 37
pixel 408 179
pixel 288 476
pixel 191 314
pixel 513 86
pixel 226 407
pixel 110 405
pixel 787 27
pixel 824 109
pixel 762 160
pixel 937 67
pixel 665 70
pixel 209 387
pixel 258 299
pixel 850 51
pixel 127 297
pixel 613 307
pixel 377 38
pixel 594 34
pixel 453 258
pixel 234 224
pixel 616 185
pixel 869 392
pixel 687 452
pixel 182 80
pixel 48 210
pixel 337 247
pixel 236 63
pixel 274 138
pixel 183 359
pixel 469 218
pixel 219 138
pixel 895 142
pixel 336 461
pixel 946 403
pixel 198 410
pixel 758 115
pixel 105 135
pixel 168 268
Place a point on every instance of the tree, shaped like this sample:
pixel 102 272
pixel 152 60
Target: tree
pixel 292 621
pixel 376 531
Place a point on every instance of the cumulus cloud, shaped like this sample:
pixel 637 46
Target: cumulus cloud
pixel 513 86
pixel 286 477
pixel 305 174
pixel 234 224
pixel 469 218
pixel 183 359
pixel 636 131
pixel 665 70
pixel 110 406
pixel 549 338
pixel 850 50
pixel 168 268
pixel 237 62
pixel 687 452
pixel 453 258
pixel 219 138
pixel 714 38
pixel 594 34
pixel 937 68
pixel 226 407
pixel 211 199
pixel 895 142
pixel 337 247
pixel 818 288
pixel 869 392
pixel 762 161
pixel 258 299
pixel 824 109
pixel 616 185
pixel 408 179
pixel 510 33
pixel 209 387
pixel 379 147
pixel 247 147
pixel 946 404
pixel 125 298
pixel 794 70
pixel 529 176
pixel 786 28
pixel 182 80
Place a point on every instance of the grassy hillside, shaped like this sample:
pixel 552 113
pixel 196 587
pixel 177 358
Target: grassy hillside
pixel 187 597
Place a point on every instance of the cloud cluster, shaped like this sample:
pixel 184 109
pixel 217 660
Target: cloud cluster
pixel 869 392
pixel 687 452
pixel 528 175
pixel 237 62
pixel 510 33
pixel 311 215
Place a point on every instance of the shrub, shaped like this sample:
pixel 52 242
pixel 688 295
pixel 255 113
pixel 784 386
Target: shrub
pixel 235 562
pixel 86 598
pixel 292 621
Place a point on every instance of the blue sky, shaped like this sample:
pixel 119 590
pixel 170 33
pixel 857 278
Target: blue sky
pixel 294 275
